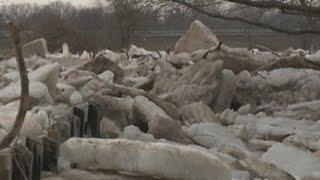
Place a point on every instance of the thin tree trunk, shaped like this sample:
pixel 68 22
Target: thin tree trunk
pixel 24 103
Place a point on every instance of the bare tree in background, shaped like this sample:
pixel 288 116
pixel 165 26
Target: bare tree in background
pixel 131 14
pixel 290 17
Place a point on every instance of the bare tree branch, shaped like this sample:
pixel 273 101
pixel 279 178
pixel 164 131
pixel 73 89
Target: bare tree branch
pixel 24 103
pixel 247 21
pixel 302 8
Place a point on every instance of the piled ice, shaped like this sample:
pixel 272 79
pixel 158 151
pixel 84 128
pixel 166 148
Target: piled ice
pixel 204 111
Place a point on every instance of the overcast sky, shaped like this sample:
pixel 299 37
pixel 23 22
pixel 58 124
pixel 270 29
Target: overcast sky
pixel 74 2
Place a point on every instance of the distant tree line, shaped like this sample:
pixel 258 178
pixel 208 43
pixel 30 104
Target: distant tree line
pixel 87 28
pixel 113 27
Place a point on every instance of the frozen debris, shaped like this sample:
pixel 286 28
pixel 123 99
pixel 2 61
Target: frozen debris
pixel 37 47
pixel 77 174
pixel 291 62
pixel 241 175
pixel 90 88
pixel 86 56
pixel 197 82
pixel 226 91
pixel 228 117
pixel 101 64
pixel 47 75
pixel 199 36
pixel 76 98
pixel 197 113
pixel 134 52
pixel 133 81
pixel 255 51
pixel 78 78
pixel 315 58
pixel 12 76
pixel 107 76
pixel 277 129
pixel 151 159
pixel 296 162
pixel 32 123
pixel 116 109
pixel 114 57
pixel 146 111
pixel 43 119
pixel 4 81
pixel 56 112
pixel 255 165
pixel 236 105
pixel 260 145
pixel 147 82
pixel 294 52
pixel 42 85
pixel 149 117
pixel 37 90
pixel 239 59
pixel 67 62
pixel 305 110
pixel 226 158
pixel 212 135
pixel 64 91
pixel 168 129
pixel 315 176
pixel 134 133
pixel 108 129
pixel 180 60
pixel 278 88
pixel 245 109
pixel 303 142
pixel 65 50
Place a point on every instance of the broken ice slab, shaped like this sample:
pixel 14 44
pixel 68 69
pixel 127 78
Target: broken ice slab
pixel 36 146
pixel 78 126
pixel 75 125
pixel 50 154
pixel 92 128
